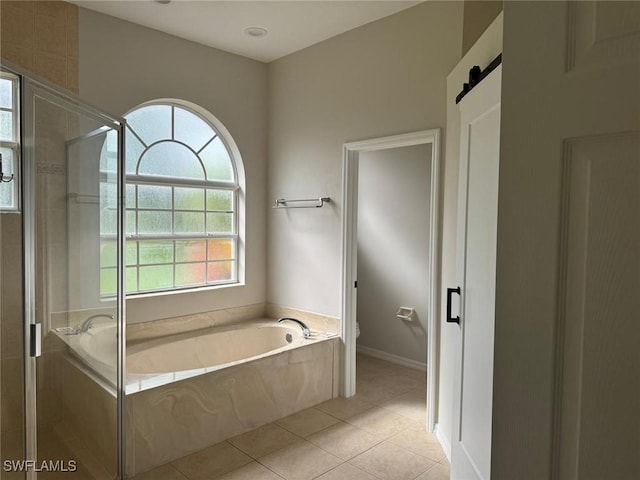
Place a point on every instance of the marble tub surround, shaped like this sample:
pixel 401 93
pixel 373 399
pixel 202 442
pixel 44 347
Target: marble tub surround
pixel 189 323
pixel 308 445
pixel 177 419
pixel 89 419
pixel 315 321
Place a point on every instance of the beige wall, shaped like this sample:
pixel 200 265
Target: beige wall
pixel 384 78
pixel 123 65
pixel 478 15
pixel 393 249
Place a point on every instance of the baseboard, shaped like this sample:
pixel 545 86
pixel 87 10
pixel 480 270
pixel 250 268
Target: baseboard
pixel 389 357
pixel 444 442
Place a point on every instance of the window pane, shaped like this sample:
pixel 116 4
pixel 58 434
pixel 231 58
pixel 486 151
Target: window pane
pixel 188 222
pixel 191 129
pixel 7 192
pixel 131 249
pixel 191 250
pixel 133 152
pixel 7 195
pixel 169 159
pixel 108 221
pixel 154 222
pixel 131 223
pixel 151 123
pixel 109 153
pixel 220 200
pixel 108 195
pixel 131 279
pixel 6 126
pixel 220 271
pixel 190 273
pixel 157 276
pixel 219 223
pixel 189 199
pixel 6 93
pixel 154 197
pixel 108 253
pixel 131 196
pixel 108 281
pixel 155 252
pixel 217 162
pixel 220 249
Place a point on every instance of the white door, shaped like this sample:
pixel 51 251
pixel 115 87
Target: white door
pixel 567 350
pixel 476 271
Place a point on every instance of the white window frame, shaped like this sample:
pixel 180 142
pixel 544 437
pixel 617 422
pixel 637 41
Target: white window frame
pixel 235 186
pixel 14 144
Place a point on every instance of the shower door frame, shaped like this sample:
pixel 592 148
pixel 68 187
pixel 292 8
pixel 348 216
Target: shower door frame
pixel 31 87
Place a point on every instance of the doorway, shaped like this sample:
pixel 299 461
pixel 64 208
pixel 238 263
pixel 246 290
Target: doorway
pixel 352 154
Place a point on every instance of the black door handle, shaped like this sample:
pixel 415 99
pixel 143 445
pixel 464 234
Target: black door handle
pixel 451 291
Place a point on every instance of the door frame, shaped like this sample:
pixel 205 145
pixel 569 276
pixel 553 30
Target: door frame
pixel 351 153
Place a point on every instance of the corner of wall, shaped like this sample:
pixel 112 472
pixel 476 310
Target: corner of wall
pixel 477 18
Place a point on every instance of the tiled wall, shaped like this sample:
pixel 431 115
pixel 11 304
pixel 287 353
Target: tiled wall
pixel 315 321
pixel 43 38
pixel 170 326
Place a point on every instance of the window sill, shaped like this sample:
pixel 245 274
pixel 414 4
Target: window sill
pixel 185 290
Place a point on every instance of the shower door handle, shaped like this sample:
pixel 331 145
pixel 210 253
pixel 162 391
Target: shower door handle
pixel 450 292
pixel 35 339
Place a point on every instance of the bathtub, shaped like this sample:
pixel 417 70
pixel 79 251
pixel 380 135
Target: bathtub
pixel 188 391
pixel 156 362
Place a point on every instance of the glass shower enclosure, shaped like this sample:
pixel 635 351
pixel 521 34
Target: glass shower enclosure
pixel 63 391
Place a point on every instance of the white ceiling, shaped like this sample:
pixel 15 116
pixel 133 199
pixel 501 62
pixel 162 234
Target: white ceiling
pixel 292 25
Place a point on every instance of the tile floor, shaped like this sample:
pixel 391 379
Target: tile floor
pixel 378 434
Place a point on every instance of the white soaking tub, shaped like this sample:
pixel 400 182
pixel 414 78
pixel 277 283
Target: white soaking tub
pixel 159 361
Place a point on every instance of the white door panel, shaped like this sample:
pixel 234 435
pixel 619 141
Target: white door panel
pixel 601 297
pixel 567 355
pixel 477 230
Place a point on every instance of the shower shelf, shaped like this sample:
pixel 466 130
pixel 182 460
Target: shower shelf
pixel 301 203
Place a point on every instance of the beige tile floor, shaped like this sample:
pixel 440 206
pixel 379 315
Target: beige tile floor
pixel 378 434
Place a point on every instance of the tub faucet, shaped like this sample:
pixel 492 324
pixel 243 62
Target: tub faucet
pixel 306 333
pixel 87 323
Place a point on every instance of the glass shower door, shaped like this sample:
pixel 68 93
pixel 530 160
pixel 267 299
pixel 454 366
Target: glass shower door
pixel 73 285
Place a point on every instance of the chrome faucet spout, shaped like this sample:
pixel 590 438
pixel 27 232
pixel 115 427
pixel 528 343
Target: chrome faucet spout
pixel 87 323
pixel 306 333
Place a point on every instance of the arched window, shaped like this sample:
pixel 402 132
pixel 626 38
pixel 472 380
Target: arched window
pixel 184 178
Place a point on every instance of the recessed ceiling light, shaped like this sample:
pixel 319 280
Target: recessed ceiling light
pixel 256 32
